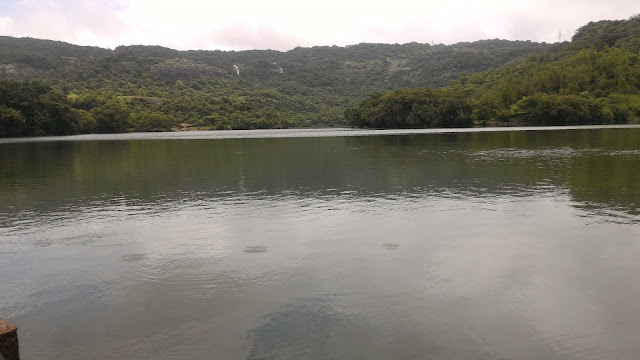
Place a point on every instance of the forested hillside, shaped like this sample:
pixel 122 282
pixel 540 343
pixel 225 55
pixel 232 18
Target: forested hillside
pixel 595 79
pixel 50 87
pixel 160 88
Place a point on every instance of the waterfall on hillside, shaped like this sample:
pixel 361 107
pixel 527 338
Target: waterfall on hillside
pixel 237 69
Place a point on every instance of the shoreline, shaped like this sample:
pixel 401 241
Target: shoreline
pixel 296 133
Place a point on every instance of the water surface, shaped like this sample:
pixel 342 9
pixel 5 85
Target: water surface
pixel 324 245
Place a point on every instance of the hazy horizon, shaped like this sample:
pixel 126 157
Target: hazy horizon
pixel 283 24
pixel 285 50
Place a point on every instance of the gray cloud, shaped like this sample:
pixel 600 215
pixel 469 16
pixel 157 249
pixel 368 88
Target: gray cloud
pixel 284 24
pixel 241 35
pixel 76 21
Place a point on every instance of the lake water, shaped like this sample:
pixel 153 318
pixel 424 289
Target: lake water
pixel 323 244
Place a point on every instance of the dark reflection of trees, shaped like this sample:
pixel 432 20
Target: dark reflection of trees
pixel 303 329
pixel 599 168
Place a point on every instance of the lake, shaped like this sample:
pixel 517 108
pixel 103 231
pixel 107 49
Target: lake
pixel 323 244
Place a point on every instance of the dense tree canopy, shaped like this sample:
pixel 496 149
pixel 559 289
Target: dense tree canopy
pixel 29 109
pixel 413 108
pixel 590 85
pixel 301 87
pixel 50 87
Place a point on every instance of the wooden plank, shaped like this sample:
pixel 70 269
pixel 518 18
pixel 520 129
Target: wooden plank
pixel 9 348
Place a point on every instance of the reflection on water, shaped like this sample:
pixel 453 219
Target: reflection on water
pixel 485 245
pixel 255 249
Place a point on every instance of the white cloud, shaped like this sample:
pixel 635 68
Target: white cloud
pixel 284 24
pixel 5 24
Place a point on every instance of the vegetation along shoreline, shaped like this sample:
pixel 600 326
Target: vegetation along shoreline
pixel 55 88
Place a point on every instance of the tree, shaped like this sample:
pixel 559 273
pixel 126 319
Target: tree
pixel 11 122
pixel 154 121
pixel 60 118
pixel 111 117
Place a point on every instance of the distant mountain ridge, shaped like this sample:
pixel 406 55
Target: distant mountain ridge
pixel 386 65
pixel 315 83
pixel 266 88
pixel 623 34
pixel 595 79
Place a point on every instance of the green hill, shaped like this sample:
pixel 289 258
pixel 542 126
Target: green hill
pixel 152 88
pixel 595 79
pixel 300 87
pixel 624 34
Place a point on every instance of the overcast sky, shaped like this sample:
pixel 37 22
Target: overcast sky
pixel 285 24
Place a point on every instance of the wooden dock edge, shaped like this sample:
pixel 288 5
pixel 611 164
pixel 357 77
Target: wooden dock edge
pixel 9 347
